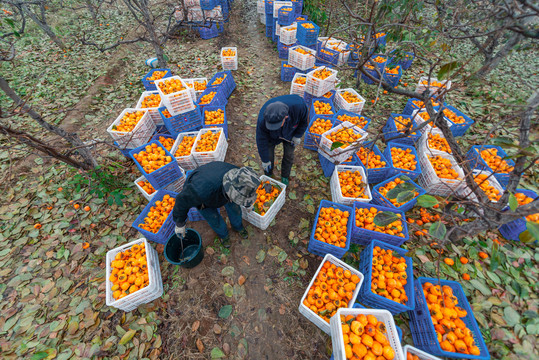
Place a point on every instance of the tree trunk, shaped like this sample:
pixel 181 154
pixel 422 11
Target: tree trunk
pixel 162 63
pixel 44 26
pixel 72 138
pixel 492 62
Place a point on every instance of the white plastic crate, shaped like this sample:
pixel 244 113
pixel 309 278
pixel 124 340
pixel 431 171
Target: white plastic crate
pixel 147 196
pixel 419 120
pixel 263 19
pixel 308 313
pixel 145 295
pixel 279 4
pixel 340 46
pixel 195 94
pixel 287 34
pixel 229 62
pixel 428 179
pixel 318 87
pixel 218 154
pixel 187 162
pixel 433 132
pixel 262 222
pixel 261 7
pixel 381 315
pixel 215 14
pixel 153 112
pixel 335 185
pixel 466 193
pixel 420 88
pixel 341 103
pixel 177 185
pixel 179 102
pixel 140 134
pixel 195 14
pixel 339 155
pixel 408 349
pixel 301 61
pixel 295 88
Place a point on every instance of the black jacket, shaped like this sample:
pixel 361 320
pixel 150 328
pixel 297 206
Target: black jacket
pixel 203 189
pixel 294 126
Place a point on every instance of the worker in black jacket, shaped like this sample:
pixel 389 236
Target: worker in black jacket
pixel 283 119
pixel 214 185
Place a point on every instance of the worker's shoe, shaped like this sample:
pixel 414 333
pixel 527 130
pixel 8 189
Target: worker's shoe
pixel 243 233
pixel 284 180
pixel 225 241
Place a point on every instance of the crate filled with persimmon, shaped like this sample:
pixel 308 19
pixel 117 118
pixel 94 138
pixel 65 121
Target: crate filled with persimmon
pixel 335 285
pixel 491 158
pixel 155 221
pixel 270 198
pixel 145 188
pixel 151 101
pixel 133 275
pixel 301 57
pixel 413 353
pixel 210 145
pixel 339 143
pixel 374 162
pixel 297 86
pixel 215 117
pixel 322 108
pixel 331 230
pixel 360 121
pixel 433 85
pixel 389 278
pixel 132 128
pixel 513 229
pixel 399 128
pixel 182 149
pixel 349 100
pixel 399 192
pixel 393 230
pixel 403 159
pixel 175 95
pixel 460 123
pixel 349 184
pixel 320 81
pixel 416 104
pixel 486 182
pixel 155 74
pixel 196 86
pixel 188 121
pixel 318 126
pixel 225 81
pixel 229 58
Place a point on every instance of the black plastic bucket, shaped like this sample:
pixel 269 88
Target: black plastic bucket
pixel 192 254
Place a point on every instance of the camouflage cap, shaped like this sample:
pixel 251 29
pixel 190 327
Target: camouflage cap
pixel 240 186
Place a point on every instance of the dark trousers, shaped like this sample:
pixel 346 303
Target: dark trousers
pixel 288 159
pixel 218 224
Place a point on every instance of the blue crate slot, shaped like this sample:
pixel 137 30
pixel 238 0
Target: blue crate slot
pixel 269 7
pixel 287 73
pixel 298 8
pixel 390 131
pixel 285 17
pixel 513 229
pixel 312 140
pixel 320 247
pixel 412 174
pixel 188 121
pixel 381 40
pixel 156 137
pixel 149 85
pixel 377 174
pixel 352 114
pixel 218 99
pixel 422 329
pixel 477 162
pixel 228 85
pixel 393 79
pixel 161 129
pixel 381 65
pixel 324 97
pixel 208 31
pixel 307 36
pixel 166 229
pixel 283 50
pixel 328 166
pixel 301 17
pixel 365 237
pixel 308 98
pixel 379 199
pixel 324 100
pixel 224 126
pixel 163 176
pixel 194 215
pixel 459 129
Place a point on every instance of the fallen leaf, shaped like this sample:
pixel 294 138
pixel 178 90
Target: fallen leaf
pixel 226 348
pixel 227 271
pixel 200 345
pixel 260 256
pixel 217 329
pixel 210 251
pixel 217 353
pixel 225 311
pixel 127 337
pixel 228 290
pixel 241 280
pixel 247 261
pixel 195 326
pixel 282 309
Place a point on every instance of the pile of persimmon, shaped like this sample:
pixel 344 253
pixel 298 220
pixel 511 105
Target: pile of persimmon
pixel 451 332
pixel 171 86
pixel 156 75
pixel 287 66
pixel 322 108
pixel 403 124
pixel 184 148
pixel 331 226
pixel 438 142
pixel 352 184
pixel 420 104
pixel 166 113
pixel 365 338
pixel 350 98
pixel 370 159
pixel 208 141
pixel 328 95
pixel 390 185
pixel 403 158
pixel 393 71
pixel 146 186
pixel 379 60
pixel 454 117
pixel 389 275
pixel 200 85
pixel 228 52
pixel 129 271
pixel 332 289
pixel 523 199
pixel 303 52
pixel 377 35
pixel 322 73
pixel 443 167
pixel 151 101
pixel 158 214
pixel 166 142
pixel 214 117
pixel 264 199
pixel 300 80
pixel 492 193
pixel 365 220
pixel 359 121
pixel 308 26
pixel 320 126
pixel 410 356
pixel 495 162
pixel 152 158
pixel 219 80
pixel 285 9
pixel 345 136
pixel 129 121
pixel 432 83
pixel 206 99
pixel 326 52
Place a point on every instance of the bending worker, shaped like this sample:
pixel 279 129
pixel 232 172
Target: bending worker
pixel 214 185
pixel 283 119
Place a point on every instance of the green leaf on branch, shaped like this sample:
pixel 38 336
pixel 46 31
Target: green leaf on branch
pixel 438 230
pixel 513 202
pixel 446 68
pixel 385 218
pixel 427 201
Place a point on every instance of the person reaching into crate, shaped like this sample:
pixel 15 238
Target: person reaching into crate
pixel 282 119
pixel 211 186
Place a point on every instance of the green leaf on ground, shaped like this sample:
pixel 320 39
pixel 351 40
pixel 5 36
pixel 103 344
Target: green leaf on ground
pixel 127 337
pixel 225 311
pixel 217 353
pixel 438 230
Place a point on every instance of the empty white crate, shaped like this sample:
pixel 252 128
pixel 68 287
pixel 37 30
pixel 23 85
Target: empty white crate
pixel 296 88
pixel 154 112
pixel 421 354
pixel 381 315
pixel 318 87
pixel 186 162
pixel 311 315
pixel 218 154
pixel 262 222
pixel 229 62
pixel 145 295
pixel 140 134
pixel 335 185
pixel 339 155
pixel 299 60
pixel 420 88
pixel 287 34
pixel 341 103
pixel 179 102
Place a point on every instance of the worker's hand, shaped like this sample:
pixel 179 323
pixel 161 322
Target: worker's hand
pixel 180 231
pixel 266 166
pixel 296 141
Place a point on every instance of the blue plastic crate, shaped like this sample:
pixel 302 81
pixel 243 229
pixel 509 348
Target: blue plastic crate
pixel 352 114
pixel 269 7
pixel 163 176
pixel 411 107
pixel 328 56
pixel 459 129
pixel 393 79
pixel 311 140
pixel 513 229
pixel 371 72
pixel 166 136
pixel 328 166
pixel 224 126
pixel 379 199
pixel 390 131
pixel 307 36
pixel 321 248
pixel 283 50
pixel 218 99
pixel 287 73
pixel 208 4
pixel 161 129
pixel 194 215
pixel 330 95
pixel 370 299
pixel 377 174
pixel 286 18
pixel 301 17
pixel 228 85
pixel 323 100
pixel 208 31
pixel 269 30
pixel 411 174
pixel 166 229
pixel 404 60
pixel 381 65
pixel 308 98
pixel 298 8
pixel 189 121
pixel 125 152
pixel 422 329
pixel 365 237
pixel 477 162
pixel 149 85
